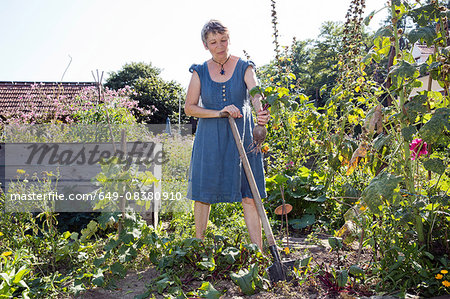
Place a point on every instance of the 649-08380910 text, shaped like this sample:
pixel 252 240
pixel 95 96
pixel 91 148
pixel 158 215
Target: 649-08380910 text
pixel 137 196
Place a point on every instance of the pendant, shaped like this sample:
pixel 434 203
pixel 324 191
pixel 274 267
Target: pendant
pixel 222 72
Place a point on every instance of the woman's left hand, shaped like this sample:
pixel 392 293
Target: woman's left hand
pixel 263 117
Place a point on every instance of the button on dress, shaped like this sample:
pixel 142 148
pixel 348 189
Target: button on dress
pixel 216 173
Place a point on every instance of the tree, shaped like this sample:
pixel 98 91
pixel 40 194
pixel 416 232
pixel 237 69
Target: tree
pixel 150 90
pixel 313 62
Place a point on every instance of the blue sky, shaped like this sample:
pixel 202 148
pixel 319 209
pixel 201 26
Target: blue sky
pixel 37 37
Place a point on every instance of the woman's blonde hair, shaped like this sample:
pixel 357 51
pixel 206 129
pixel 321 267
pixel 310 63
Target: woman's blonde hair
pixel 213 26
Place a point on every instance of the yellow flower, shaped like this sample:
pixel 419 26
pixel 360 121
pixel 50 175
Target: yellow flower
pixel 363 208
pixel 7 253
pixel 444 271
pixel 20 171
pixel 1 234
pixel 439 276
pixel 446 283
pixel 286 250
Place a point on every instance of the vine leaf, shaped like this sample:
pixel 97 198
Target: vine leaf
pixel 119 269
pixel 436 126
pixel 381 187
pixel 435 165
pixel 416 106
pixel 408 133
pixel 306 220
pixel 426 34
pixel 402 72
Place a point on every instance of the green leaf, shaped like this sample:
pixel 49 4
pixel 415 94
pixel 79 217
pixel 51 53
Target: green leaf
pixel 417 105
pixel 380 141
pixel 89 231
pixel 436 126
pixel 323 89
pixel 98 278
pixel 111 244
pixel 422 34
pixel 305 262
pixel 435 165
pixel 99 261
pixel 342 278
pixel 20 274
pixel 294 106
pixel 321 198
pixel 163 282
pixel 335 243
pixel 368 18
pixel 382 186
pixel 119 269
pixel 424 14
pixel 245 280
pixel 404 71
pixel 209 291
pixel 408 133
pixel 107 218
pixel 356 270
pixel 207 264
pixel 279 179
pixel 383 32
pixel 306 220
pixel 382 45
pixel 255 90
pixel 126 254
pixel 230 254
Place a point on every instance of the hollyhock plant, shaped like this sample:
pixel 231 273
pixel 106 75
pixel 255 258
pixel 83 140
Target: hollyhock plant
pixel 418 148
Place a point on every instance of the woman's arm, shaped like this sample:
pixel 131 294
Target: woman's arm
pixel 263 116
pixel 192 108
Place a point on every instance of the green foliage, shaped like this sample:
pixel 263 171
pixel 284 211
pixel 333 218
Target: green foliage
pixel 150 91
pixel 13 274
pixel 361 144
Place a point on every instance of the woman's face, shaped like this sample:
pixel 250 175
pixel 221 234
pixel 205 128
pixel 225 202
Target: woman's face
pixel 217 44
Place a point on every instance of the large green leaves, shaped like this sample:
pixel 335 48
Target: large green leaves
pixel 306 220
pixel 424 14
pixel 416 106
pixel 422 34
pixel 435 128
pixel 435 165
pixel 208 291
pixel 380 188
pixel 249 280
pixel 403 72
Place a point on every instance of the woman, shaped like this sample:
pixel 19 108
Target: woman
pixel 216 173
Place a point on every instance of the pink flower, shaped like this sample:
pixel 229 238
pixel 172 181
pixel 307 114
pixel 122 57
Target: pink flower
pixel 289 164
pixel 418 148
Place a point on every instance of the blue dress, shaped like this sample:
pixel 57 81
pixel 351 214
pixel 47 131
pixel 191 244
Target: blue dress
pixel 216 173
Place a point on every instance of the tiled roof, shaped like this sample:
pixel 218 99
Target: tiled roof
pixel 17 95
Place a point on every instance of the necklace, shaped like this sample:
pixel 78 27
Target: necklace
pixel 222 71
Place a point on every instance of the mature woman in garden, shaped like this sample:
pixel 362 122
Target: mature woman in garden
pixel 216 173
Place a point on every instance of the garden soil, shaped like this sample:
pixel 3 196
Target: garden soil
pixel 136 282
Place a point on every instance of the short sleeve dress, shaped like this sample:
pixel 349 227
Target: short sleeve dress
pixel 216 173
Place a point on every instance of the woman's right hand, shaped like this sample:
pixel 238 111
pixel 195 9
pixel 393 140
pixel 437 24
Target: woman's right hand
pixel 232 110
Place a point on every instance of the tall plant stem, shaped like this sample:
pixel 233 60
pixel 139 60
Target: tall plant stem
pixel 409 179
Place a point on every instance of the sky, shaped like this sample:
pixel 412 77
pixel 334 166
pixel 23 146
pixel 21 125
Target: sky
pixel 38 38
